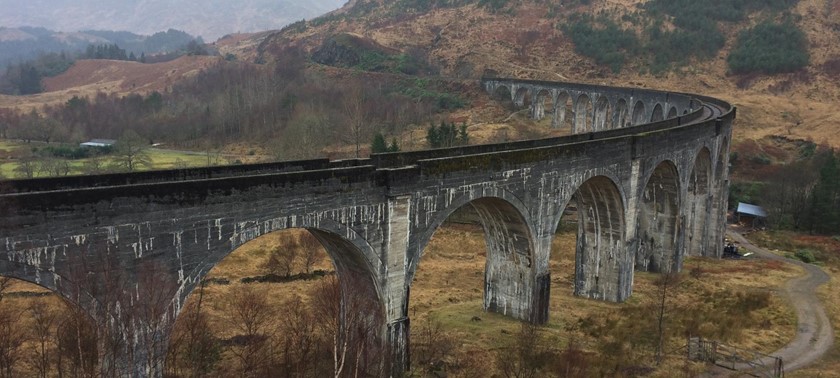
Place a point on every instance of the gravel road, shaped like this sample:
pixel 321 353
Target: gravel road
pixel 814 333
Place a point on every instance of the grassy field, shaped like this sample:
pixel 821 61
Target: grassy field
pixel 11 151
pixel 448 292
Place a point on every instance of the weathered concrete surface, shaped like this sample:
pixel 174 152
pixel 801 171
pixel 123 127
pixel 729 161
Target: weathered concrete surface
pixel 646 196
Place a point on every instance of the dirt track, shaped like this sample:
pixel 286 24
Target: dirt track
pixel 814 333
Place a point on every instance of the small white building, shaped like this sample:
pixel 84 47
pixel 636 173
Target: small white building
pixel 98 143
pixel 752 215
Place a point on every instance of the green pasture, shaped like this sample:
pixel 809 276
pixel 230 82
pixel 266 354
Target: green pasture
pixel 160 159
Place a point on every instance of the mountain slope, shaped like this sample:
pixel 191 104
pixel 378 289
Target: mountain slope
pixel 467 39
pixel 525 39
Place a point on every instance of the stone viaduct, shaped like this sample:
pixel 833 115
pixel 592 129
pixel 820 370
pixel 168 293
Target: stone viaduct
pixel 646 169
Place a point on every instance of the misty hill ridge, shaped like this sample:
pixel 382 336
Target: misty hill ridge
pixel 24 43
pixel 208 19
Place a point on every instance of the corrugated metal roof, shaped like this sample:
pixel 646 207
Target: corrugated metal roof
pixel 745 208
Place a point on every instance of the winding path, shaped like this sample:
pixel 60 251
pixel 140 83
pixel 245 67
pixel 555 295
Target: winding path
pixel 814 333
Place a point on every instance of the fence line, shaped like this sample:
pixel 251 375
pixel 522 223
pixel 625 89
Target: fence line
pixel 742 360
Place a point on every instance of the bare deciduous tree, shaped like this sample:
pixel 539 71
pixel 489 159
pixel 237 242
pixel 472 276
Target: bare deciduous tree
pixel 5 283
pixel 526 356
pixel 154 291
pixel 12 336
pixel 665 283
pixel 11 341
pixel 78 352
pixel 430 345
pixel 297 342
pixel 252 316
pixel 312 250
pixel 43 321
pixel 130 151
pixel 281 260
pixel 356 117
pixel 193 349
pixel 26 168
pixel 352 320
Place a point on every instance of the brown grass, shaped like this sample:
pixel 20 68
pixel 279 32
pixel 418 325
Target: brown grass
pixel 448 289
pixel 827 250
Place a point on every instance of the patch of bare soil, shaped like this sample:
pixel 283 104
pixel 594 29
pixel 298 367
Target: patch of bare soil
pixel 113 76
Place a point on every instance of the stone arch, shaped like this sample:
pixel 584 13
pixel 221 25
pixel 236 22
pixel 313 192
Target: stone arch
pixel 542 102
pixel 657 114
pixel 53 281
pixel 504 96
pixel 509 269
pixel 522 97
pixel 672 113
pixel 357 277
pixel 563 112
pixel 659 220
pixel 639 113
pixel 78 283
pixel 602 114
pixel 349 252
pixel 698 201
pixel 602 266
pixel 620 114
pixel 583 114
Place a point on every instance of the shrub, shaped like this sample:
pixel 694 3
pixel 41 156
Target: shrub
pixel 493 5
pixel 769 48
pixel 806 256
pixel 607 45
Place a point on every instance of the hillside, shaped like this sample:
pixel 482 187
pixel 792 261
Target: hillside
pixel 525 40
pixel 86 78
pixel 465 40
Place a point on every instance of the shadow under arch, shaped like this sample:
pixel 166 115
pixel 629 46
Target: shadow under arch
pixel 672 113
pixel 522 97
pixel 658 113
pixel 543 103
pixel 699 201
pixel 659 220
pixel 639 113
pixel 603 114
pixel 343 245
pixel 603 268
pixel 563 112
pixel 510 262
pixel 80 313
pixel 503 95
pixel 351 257
pixel 584 111
pixel 621 115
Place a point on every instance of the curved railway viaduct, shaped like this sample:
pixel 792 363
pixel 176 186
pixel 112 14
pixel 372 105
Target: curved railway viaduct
pixel 646 170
